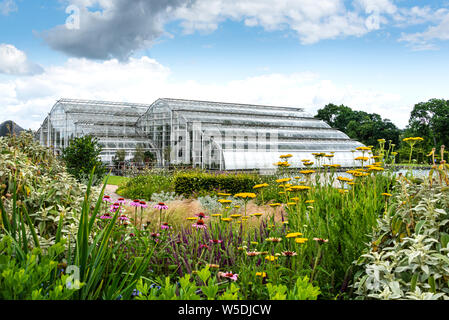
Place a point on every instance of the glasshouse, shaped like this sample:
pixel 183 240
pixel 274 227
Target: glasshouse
pixel 209 135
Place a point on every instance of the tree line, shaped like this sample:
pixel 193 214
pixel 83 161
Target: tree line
pixel 429 120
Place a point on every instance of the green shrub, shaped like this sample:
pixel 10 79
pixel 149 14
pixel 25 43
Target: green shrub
pixel 81 156
pixel 197 183
pixel 143 187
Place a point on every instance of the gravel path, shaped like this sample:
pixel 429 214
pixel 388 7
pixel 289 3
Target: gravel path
pixel 110 190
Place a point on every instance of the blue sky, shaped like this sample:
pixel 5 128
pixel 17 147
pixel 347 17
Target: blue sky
pixel 379 56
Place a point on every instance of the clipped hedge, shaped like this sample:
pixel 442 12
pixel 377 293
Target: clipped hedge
pixel 196 183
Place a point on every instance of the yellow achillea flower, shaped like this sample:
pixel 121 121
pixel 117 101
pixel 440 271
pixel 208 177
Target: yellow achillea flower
pixel 335 165
pixel 293 235
pixel 362 158
pixel 283 180
pixel 226 219
pixel 305 160
pixel 277 204
pixel 224 201
pixel 363 148
pixel 261 274
pixel 300 188
pixel 236 206
pixel 216 215
pixel 235 216
pixel 254 242
pixel 343 191
pixel 308 163
pixel 285 156
pixel 310 201
pixel 213 266
pixel 192 218
pixel 297 177
pixel 387 194
pixel 273 239
pixel 223 194
pixel 413 139
pixel 271 258
pixel 307 171
pixel 257 214
pixel 329 155
pixel 245 195
pixel 262 185
pixel 374 168
pixel 282 164
pixel 340 178
pixel 295 198
pixel 301 240
pixel 285 222
pixel 291 203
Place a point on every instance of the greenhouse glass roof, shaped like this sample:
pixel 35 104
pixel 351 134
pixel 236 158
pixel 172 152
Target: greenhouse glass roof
pixel 198 133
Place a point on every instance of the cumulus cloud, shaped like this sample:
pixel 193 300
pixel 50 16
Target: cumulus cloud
pixel 110 28
pixel 312 20
pixel 118 28
pixel 15 62
pixel 27 100
pixel 426 40
pixel 7 6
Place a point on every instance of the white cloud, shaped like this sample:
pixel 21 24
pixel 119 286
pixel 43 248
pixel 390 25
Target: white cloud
pixel 7 6
pixel 425 40
pixel 27 100
pixel 14 61
pixel 312 20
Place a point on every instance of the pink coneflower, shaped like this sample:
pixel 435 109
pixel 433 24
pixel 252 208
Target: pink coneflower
pixel 201 215
pixel 229 275
pixel 289 253
pixel 123 218
pixel 199 224
pixel 165 225
pixel 143 204
pixel 121 200
pixel 215 241
pixel 320 240
pixel 132 235
pixel 107 198
pixel 161 206
pixel 135 203
pixel 154 235
pixel 204 246
pixel 106 216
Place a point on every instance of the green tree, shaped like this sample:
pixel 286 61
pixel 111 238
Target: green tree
pixel 364 127
pixel 139 154
pixel 119 157
pixel 81 156
pixel 430 120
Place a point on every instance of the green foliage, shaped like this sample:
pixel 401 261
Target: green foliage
pixel 188 289
pixel 81 156
pixel 364 127
pixel 119 157
pixel 35 186
pixel 143 187
pixel 194 183
pixel 408 256
pixel 303 290
pixel 430 121
pixel 36 277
